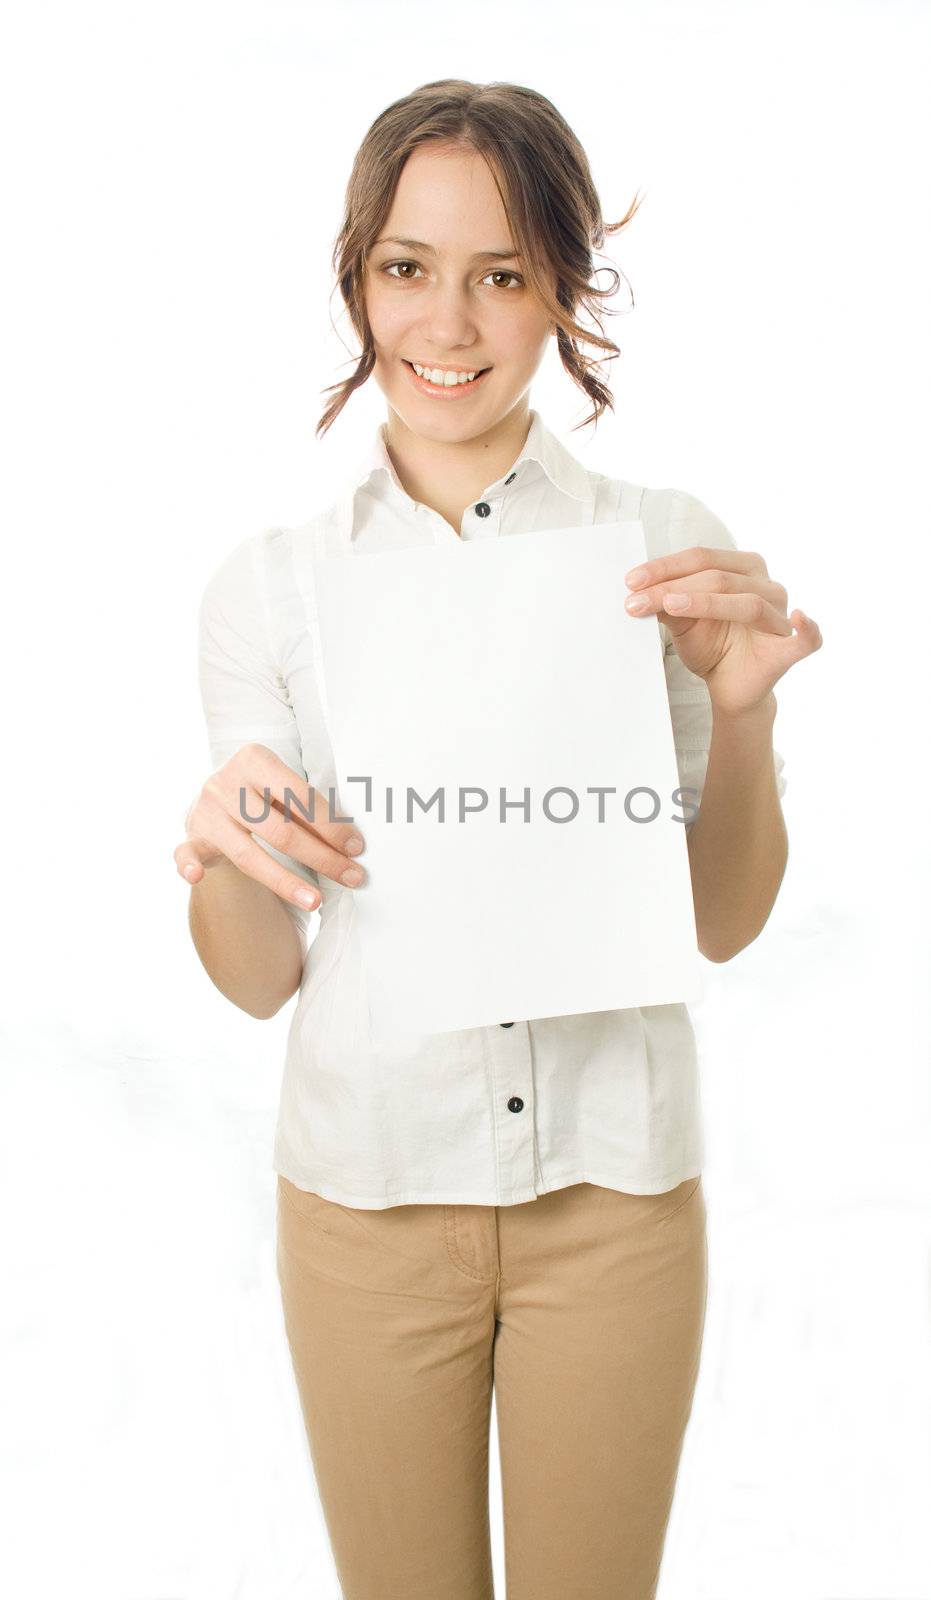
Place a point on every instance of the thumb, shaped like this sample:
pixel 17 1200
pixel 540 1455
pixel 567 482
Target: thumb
pixel 193 857
pixel 807 638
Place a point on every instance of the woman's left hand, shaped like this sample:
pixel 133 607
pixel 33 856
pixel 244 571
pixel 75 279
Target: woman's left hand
pixel 733 630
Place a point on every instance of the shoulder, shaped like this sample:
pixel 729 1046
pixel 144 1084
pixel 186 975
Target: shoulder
pixel 690 522
pixel 245 568
pixel 259 572
pixel 674 519
pixel 235 571
pixel 235 594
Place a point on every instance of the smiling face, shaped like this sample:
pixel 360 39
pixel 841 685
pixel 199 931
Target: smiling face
pixel 462 305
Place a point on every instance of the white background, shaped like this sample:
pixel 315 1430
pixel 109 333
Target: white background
pixel 173 180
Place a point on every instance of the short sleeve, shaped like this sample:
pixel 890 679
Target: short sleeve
pixel 243 694
pixel 691 523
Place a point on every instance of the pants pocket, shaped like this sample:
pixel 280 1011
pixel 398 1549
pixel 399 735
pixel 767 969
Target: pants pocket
pixel 680 1197
pixel 310 1207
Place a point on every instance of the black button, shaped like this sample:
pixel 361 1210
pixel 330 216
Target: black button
pixel 483 509
pixel 511 478
pixel 507 1024
pixel 515 1103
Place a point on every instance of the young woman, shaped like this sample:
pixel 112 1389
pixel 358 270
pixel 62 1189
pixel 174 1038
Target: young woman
pixel 519 1206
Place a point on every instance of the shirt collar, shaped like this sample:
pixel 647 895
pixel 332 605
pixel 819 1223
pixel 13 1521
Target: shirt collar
pixel 540 446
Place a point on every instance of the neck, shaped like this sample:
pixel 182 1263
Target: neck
pixel 448 477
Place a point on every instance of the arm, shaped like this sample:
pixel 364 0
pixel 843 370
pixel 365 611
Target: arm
pixel 738 845
pixel 250 941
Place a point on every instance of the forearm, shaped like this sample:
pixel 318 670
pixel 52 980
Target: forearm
pixel 246 939
pixel 738 846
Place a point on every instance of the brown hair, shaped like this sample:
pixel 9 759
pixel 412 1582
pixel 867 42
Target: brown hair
pixel 543 177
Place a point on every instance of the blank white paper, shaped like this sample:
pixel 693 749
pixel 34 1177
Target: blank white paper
pixel 453 672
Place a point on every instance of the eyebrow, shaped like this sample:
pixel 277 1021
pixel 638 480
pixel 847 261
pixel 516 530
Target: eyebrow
pixel 480 255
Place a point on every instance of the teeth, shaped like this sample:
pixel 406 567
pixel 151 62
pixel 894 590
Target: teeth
pixel 445 379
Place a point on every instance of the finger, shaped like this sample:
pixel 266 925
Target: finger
pixel 241 849
pixel 808 634
pixel 645 601
pixel 294 838
pixel 683 562
pixel 751 609
pixel 282 816
pixel 267 770
pixel 188 862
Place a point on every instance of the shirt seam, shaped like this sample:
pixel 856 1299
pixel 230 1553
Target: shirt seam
pixel 667 1180
pixel 262 584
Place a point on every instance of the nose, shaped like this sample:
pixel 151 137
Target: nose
pixel 447 321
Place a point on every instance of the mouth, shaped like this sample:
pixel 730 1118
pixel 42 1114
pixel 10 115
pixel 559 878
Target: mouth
pixel 451 391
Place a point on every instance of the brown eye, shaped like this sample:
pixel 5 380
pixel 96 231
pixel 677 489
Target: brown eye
pixel 405 276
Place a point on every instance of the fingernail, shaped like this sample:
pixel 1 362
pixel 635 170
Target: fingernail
pixel 188 871
pixel 352 876
pixel 355 844
pixel 305 898
pixel 637 602
pixel 636 576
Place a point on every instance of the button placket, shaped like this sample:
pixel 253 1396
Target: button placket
pixel 483 509
pixel 483 519
pixel 512 1087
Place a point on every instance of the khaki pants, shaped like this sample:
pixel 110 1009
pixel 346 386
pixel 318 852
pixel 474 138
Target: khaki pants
pixel 585 1310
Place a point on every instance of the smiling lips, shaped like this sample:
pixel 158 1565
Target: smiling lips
pixel 455 384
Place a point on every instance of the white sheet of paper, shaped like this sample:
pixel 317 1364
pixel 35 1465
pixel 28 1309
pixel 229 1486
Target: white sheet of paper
pixel 507 664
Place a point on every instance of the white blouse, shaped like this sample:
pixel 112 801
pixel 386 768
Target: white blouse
pixel 493 1115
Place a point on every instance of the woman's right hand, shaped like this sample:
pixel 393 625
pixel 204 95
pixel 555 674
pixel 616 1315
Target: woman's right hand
pixel 216 830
